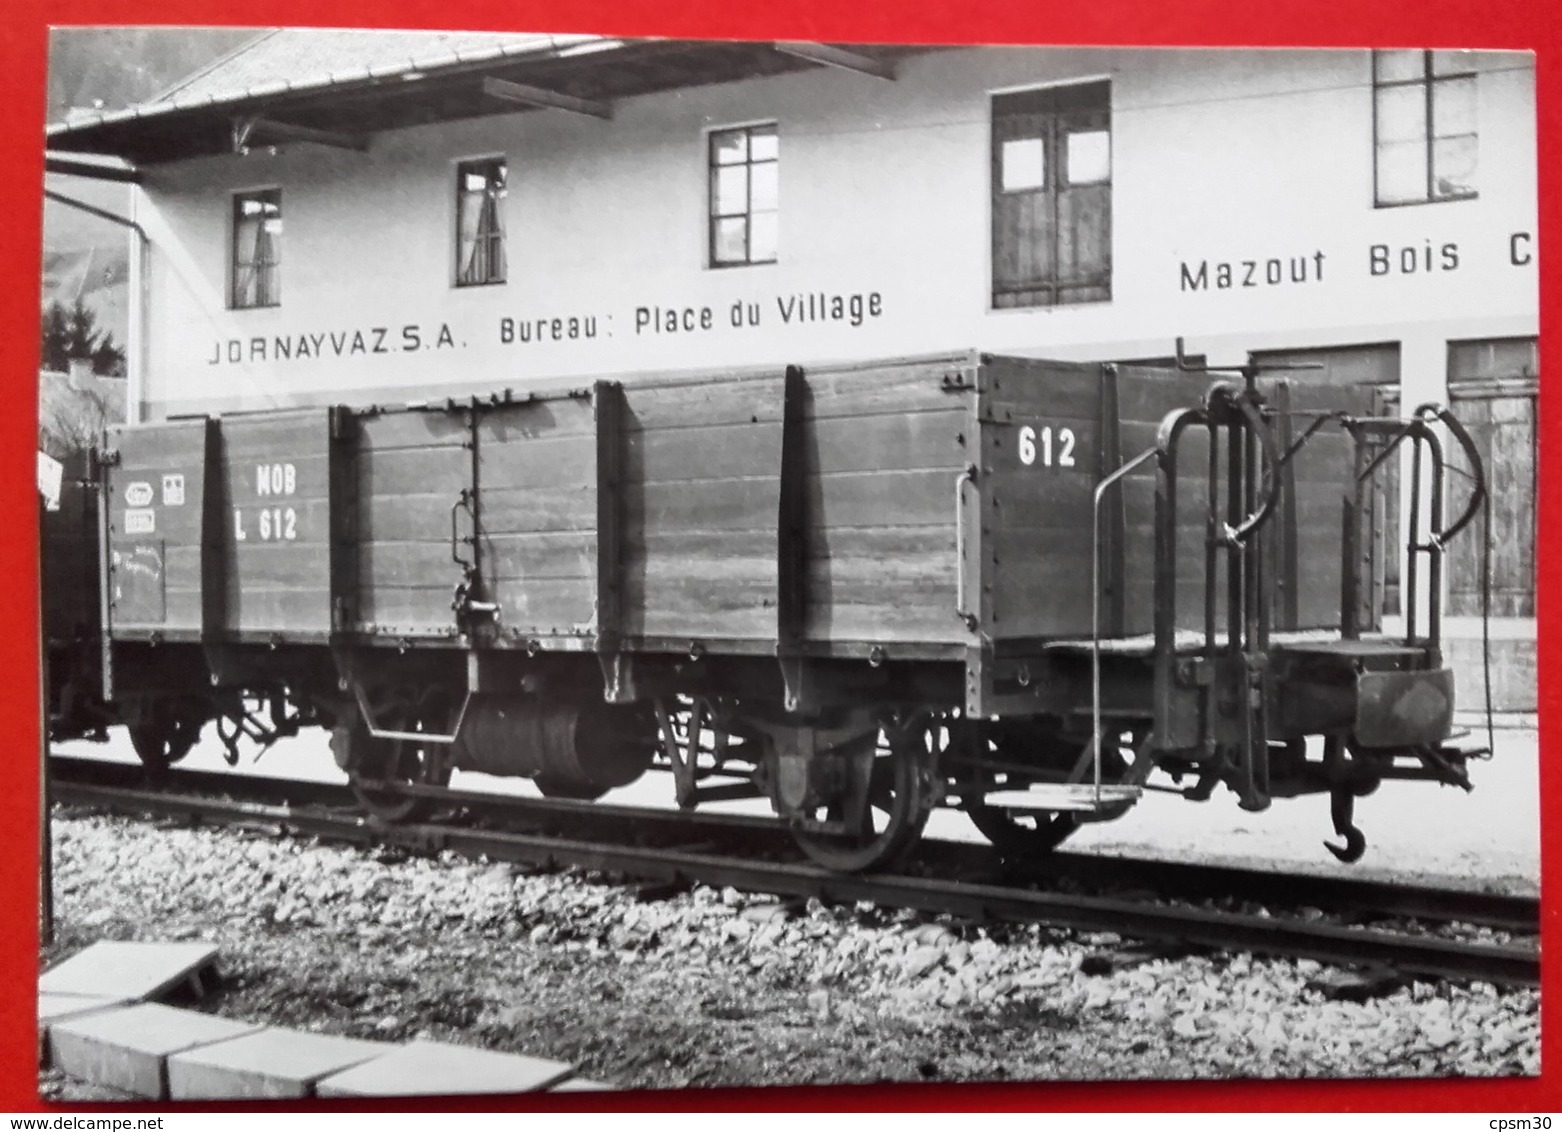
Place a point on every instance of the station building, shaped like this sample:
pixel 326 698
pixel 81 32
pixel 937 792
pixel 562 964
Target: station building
pixel 343 216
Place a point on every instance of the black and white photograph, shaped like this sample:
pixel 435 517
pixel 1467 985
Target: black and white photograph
pixel 576 564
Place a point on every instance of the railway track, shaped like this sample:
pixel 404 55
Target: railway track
pixel 753 854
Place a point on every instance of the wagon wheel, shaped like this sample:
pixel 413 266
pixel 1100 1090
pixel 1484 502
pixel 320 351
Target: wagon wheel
pixel 1019 834
pixel 573 791
pixel 167 732
pixel 1027 834
pixel 884 805
pixel 375 763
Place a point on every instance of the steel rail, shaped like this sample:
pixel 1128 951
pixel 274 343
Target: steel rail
pixel 1375 897
pixel 293 791
pixel 1422 956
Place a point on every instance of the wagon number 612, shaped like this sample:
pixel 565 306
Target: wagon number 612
pixel 1064 440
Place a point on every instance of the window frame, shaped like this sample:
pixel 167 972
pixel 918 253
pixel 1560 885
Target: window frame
pixel 271 194
pixel 485 163
pixel 1428 79
pixel 713 218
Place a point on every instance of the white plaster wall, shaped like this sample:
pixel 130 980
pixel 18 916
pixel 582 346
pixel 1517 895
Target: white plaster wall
pixel 1219 156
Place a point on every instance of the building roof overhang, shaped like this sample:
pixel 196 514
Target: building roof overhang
pixel 347 107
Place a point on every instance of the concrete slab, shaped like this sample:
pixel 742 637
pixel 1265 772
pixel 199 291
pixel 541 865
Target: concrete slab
pixel 425 1068
pixel 272 1063
pixel 58 1007
pixel 129 970
pixel 583 1085
pixel 127 1049
pixel 54 1008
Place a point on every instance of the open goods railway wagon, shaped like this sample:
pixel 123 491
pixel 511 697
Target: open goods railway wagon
pixel 1010 587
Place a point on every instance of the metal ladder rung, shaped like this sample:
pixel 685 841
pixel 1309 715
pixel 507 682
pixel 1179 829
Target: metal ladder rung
pixel 1085 797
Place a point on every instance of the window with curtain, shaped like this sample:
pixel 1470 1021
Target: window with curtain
pixel 256 276
pixel 480 189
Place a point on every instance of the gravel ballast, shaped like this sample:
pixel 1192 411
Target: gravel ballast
pixel 715 987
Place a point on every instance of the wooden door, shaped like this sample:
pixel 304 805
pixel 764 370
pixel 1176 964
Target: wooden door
pixel 1493 388
pixel 1052 196
pixel 411 470
pixel 537 507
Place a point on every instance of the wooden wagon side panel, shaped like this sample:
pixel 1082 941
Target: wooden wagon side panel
pixel 882 450
pixel 409 470
pixel 156 496
pixel 274 524
pixel 1041 452
pixel 537 498
pixel 1145 397
pixel 700 494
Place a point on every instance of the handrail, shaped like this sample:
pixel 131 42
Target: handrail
pixel 1255 419
pixel 1235 536
pixel 455 535
pixel 965 615
pixel 1413 427
pixel 1477 469
pixel 1416 429
pixel 1336 416
pixel 1168 436
pixel 1165 582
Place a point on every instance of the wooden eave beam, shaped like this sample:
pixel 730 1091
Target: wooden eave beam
pixel 827 56
pixel 507 91
pixel 124 174
pixel 260 130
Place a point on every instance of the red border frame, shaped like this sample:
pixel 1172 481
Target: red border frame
pixel 1511 24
